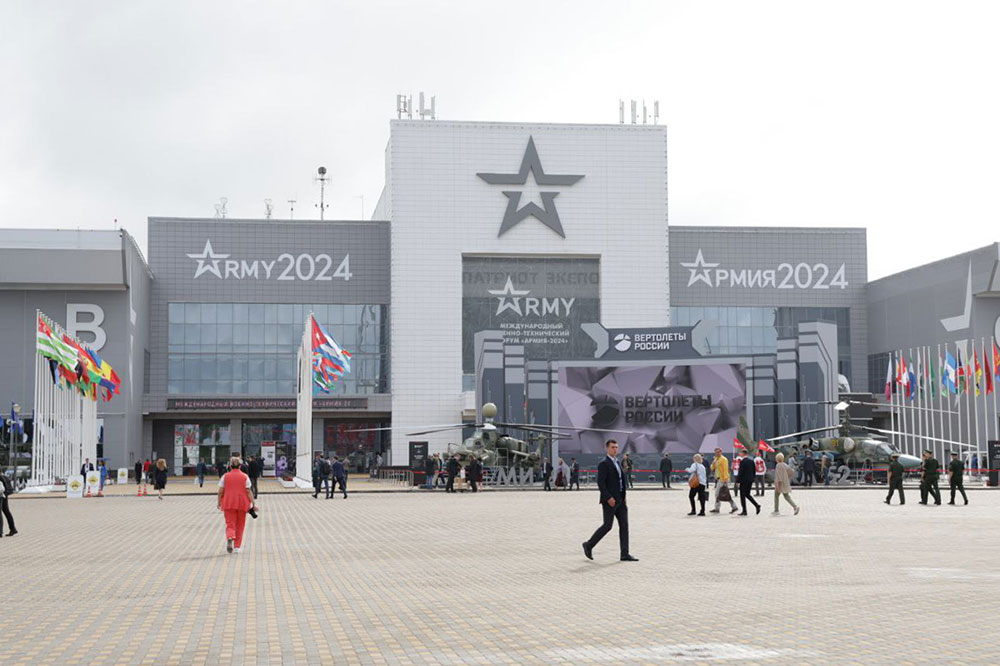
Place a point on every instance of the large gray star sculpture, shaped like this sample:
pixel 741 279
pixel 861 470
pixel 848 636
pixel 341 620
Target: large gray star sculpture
pixel 547 215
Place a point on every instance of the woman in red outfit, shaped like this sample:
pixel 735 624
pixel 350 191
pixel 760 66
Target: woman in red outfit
pixel 235 499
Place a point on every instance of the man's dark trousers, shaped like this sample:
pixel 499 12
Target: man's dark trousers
pixel 960 486
pixel 449 486
pixel 665 480
pixel 930 487
pixel 746 490
pixel 619 511
pixel 5 509
pixel 894 485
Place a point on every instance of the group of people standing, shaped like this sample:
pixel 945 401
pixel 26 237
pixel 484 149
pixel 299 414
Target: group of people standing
pixel 435 469
pixel 328 473
pixel 562 475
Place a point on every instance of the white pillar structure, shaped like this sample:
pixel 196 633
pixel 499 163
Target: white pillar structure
pixel 304 408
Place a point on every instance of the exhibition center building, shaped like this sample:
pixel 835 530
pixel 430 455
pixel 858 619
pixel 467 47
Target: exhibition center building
pixel 521 236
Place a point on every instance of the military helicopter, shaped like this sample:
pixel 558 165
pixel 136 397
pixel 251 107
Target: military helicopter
pixel 491 445
pixel 852 443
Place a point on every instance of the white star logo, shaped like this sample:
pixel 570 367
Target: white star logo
pixel 203 264
pixel 510 298
pixel 699 270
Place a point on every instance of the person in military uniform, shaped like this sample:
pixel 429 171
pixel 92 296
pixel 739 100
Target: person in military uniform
pixel 956 468
pixel 895 480
pixel 929 479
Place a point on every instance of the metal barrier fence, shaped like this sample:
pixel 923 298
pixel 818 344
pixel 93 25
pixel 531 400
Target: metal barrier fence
pixel 403 477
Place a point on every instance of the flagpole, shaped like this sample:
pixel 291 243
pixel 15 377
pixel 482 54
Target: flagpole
pixel 893 411
pixel 996 414
pixel 904 444
pixel 940 393
pixel 982 346
pixel 925 398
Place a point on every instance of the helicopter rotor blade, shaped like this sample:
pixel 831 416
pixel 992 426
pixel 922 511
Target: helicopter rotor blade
pixel 401 427
pixel 444 428
pixel 804 432
pixel 923 409
pixel 927 437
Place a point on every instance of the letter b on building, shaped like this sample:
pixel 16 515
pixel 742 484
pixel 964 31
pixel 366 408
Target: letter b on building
pixel 94 317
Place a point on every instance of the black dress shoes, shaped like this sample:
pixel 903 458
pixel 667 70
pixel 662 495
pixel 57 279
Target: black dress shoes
pixel 629 558
pixel 588 551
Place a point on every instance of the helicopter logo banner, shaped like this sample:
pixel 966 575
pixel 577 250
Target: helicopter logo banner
pixel 683 408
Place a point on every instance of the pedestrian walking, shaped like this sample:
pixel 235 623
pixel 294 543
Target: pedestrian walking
pixel 574 473
pixel 103 469
pixel 628 466
pixel 138 472
pixel 235 500
pixel 666 467
pixel 698 483
pixel 200 470
pixel 760 469
pixel 611 483
pixel 720 468
pixel 895 479
pixel 474 473
pixel 783 484
pixel 254 474
pixel 430 471
pixel 809 469
pixel 160 477
pixel 929 479
pixel 87 466
pixel 146 472
pixel 547 473
pixel 453 467
pixel 6 490
pixel 956 468
pixel 339 475
pixel 824 469
pixel 745 479
pixel 317 474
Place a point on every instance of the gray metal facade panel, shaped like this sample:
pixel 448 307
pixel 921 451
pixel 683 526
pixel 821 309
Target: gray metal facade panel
pixel 758 249
pixel 171 240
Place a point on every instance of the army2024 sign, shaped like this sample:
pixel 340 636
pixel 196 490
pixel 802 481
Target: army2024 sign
pixel 538 302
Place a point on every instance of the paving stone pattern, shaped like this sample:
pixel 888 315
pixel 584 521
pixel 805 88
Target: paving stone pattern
pixel 499 578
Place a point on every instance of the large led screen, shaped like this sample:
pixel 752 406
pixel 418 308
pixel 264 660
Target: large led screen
pixel 538 302
pixel 674 408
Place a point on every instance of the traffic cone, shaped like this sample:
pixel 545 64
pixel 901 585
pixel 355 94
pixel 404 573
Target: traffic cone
pixel 138 491
pixel 88 492
pixel 100 492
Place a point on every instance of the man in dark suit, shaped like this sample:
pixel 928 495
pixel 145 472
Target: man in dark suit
pixel 254 474
pixel 611 483
pixel 339 475
pixel 547 473
pixel 138 472
pixel 87 466
pixel 666 467
pixel 745 477
pixel 574 474
pixel 453 467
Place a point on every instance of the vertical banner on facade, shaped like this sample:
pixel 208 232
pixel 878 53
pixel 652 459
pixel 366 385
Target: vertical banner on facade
pixel 123 475
pixel 675 408
pixel 538 302
pixel 418 456
pixel 267 455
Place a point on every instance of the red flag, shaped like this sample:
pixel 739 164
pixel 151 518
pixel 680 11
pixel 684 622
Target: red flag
pixel 737 445
pixel 763 446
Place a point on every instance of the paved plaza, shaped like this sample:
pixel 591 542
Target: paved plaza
pixel 499 578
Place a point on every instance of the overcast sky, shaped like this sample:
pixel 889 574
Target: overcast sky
pixel 883 115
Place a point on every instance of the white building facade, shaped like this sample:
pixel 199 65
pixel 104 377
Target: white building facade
pixel 548 197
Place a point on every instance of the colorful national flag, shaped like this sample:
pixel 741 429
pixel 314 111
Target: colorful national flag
pixel 996 361
pixel 888 380
pixel 330 361
pixel 932 378
pixel 949 373
pixel 989 373
pixel 50 346
pixel 978 368
pixel 763 446
pixel 911 388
